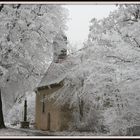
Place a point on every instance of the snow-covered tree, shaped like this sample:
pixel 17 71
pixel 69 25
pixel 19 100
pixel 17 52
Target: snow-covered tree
pixel 105 76
pixel 26 45
pixel 118 34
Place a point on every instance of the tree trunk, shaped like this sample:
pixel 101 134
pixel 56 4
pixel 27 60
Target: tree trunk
pixel 2 125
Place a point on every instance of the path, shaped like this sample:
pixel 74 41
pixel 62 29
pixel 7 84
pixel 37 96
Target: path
pixel 20 132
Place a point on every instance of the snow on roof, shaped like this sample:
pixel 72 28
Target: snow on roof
pixel 55 73
pixel 58 71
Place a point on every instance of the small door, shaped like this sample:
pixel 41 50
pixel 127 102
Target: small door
pixel 49 121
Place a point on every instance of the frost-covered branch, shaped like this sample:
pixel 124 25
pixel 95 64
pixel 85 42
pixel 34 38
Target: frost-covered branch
pixel 119 58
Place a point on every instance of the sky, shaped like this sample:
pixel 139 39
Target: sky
pixel 79 18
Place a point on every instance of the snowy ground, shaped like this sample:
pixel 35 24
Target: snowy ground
pixel 16 131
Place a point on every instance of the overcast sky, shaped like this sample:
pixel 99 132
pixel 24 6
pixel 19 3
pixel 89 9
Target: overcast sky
pixel 80 15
